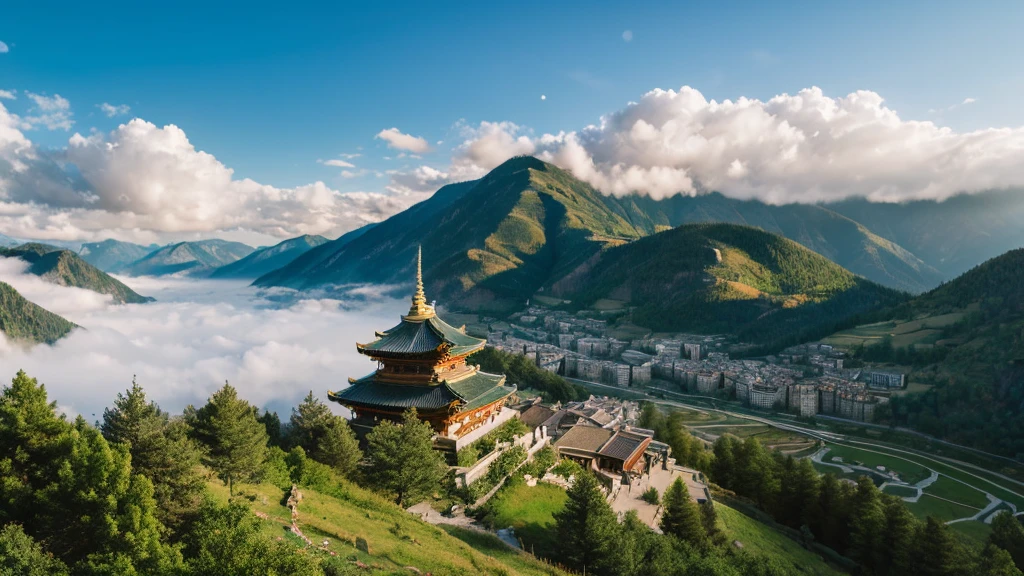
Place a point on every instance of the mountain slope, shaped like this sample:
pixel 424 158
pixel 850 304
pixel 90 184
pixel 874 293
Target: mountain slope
pixel 113 255
pixel 973 357
pixel 21 320
pixel 953 236
pixel 845 241
pixel 194 258
pixel 724 278
pixel 66 268
pixel 487 244
pixel 266 260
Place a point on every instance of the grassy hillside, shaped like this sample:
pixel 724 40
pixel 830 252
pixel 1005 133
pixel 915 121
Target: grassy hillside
pixel 269 259
pixel 717 278
pixel 114 255
pixel 194 258
pixel 966 339
pixel 395 538
pixel 846 242
pixel 759 538
pixel 66 268
pixel 24 321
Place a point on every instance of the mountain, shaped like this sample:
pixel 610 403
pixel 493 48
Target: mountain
pixel 724 278
pixel 265 260
pixel 487 244
pixel 66 268
pixel 6 240
pixel 21 320
pixel 954 235
pixel 839 238
pixel 194 258
pixel 964 342
pixel 114 255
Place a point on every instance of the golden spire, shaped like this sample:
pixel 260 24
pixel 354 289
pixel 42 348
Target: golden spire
pixel 419 310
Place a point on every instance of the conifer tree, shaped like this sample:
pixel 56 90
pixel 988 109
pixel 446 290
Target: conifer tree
pixel 934 551
pixel 403 460
pixel 709 519
pixel 867 526
pixel 20 555
pixel 995 561
pixel 160 450
pixel 680 516
pixel 338 447
pixel 235 441
pixel 1008 534
pixel 308 422
pixel 587 528
pixel 898 539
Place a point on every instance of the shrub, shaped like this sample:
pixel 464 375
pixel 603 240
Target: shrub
pixel 651 496
pixel 567 468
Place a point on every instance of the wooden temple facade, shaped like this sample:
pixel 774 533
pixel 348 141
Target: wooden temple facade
pixel 421 363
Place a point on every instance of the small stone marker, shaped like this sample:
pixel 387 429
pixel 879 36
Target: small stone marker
pixel 362 545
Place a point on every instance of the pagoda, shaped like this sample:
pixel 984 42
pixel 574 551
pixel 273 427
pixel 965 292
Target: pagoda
pixel 421 364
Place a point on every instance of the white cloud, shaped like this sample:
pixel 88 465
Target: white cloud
pixel 350 156
pixel 627 35
pixel 337 163
pixel 543 97
pixel 968 101
pixel 197 335
pixel 805 147
pixel 8 95
pixel 53 112
pixel 141 180
pixel 399 141
pixel 4 48
pixel 111 110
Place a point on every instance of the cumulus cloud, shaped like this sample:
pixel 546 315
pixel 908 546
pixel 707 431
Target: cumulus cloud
pixel 805 147
pixel 399 141
pixel 141 179
pixel 4 49
pixel 111 110
pixel 7 95
pixel 53 112
pixel 197 335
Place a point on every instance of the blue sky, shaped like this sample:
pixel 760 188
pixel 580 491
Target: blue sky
pixel 272 88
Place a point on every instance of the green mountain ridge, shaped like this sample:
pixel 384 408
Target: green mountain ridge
pixel 265 260
pixel 490 244
pixel 725 278
pixel 66 268
pixel 193 258
pixel 23 321
pixel 114 255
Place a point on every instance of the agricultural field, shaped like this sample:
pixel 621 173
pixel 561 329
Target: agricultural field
pixel 608 305
pixel 920 331
pixel 901 491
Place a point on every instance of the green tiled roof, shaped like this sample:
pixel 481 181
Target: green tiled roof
pixel 420 337
pixel 471 392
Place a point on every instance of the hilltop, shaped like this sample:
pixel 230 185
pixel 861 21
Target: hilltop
pixel 114 255
pixel 487 244
pixel 715 278
pixel 266 260
pixel 66 268
pixel 21 320
pixel 194 258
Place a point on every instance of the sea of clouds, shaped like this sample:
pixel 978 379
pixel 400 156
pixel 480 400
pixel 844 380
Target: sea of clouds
pixel 273 346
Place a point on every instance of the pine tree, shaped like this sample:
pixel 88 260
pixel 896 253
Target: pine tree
pixel 934 551
pixel 709 519
pixel 867 525
pixel 1008 534
pixel 338 447
pixel 898 538
pixel 160 450
pixel 275 433
pixel 680 516
pixel 587 528
pixel 723 467
pixel 235 441
pixel 996 561
pixel 308 422
pixel 403 460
